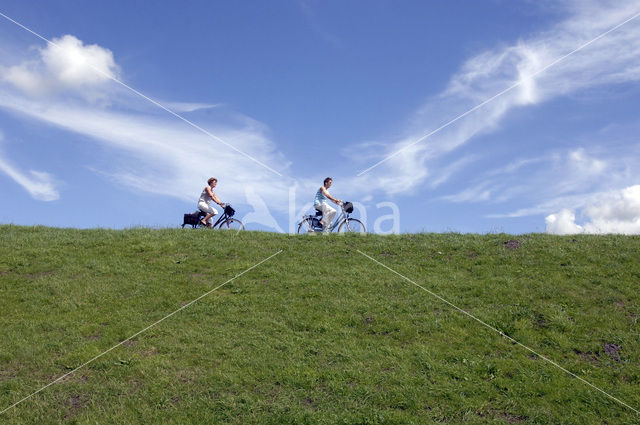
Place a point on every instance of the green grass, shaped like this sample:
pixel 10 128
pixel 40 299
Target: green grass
pixel 319 333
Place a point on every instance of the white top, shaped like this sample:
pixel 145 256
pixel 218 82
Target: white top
pixel 204 196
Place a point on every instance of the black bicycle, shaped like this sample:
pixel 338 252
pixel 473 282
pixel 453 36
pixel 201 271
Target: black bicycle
pixel 225 222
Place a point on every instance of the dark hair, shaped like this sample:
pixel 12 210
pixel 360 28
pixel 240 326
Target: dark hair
pixel 326 180
pixel 212 179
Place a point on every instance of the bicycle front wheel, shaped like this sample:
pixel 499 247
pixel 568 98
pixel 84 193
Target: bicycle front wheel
pixel 352 225
pixel 231 224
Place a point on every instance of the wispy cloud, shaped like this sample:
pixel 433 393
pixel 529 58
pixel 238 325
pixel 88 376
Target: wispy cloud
pixel 612 59
pixel 164 156
pixel 156 153
pixel 552 182
pixel 478 193
pixel 190 106
pixel 40 185
pixel 307 8
pixel 443 174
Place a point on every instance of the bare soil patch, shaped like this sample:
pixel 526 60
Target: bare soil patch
pixel 512 244
pixel 613 350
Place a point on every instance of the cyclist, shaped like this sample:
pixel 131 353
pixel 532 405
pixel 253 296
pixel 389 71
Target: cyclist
pixel 206 197
pixel 321 204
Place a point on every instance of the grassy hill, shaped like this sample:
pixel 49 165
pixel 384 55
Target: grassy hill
pixel 319 333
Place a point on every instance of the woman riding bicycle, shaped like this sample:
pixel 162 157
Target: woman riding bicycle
pixel 206 197
pixel 321 204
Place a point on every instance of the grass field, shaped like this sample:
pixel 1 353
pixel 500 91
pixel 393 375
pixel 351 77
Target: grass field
pixel 319 333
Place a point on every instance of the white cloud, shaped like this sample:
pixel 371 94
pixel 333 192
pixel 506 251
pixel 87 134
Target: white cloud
pixel 563 223
pixel 618 213
pixel 40 185
pixel 24 78
pixel 612 59
pixel 74 64
pixel 67 64
pixel 614 212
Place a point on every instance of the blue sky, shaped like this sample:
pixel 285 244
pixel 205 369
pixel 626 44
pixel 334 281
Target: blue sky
pixel 285 93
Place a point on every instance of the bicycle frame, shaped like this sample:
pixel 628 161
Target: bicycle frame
pixel 224 218
pixel 338 221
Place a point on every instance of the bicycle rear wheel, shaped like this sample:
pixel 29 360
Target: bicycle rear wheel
pixel 231 224
pixel 305 226
pixel 352 225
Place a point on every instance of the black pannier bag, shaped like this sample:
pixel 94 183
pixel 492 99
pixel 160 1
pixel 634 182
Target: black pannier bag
pixel 229 211
pixel 193 219
pixel 348 207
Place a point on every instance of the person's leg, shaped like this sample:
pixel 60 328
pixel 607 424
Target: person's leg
pixel 209 210
pixel 320 207
pixel 212 213
pixel 328 214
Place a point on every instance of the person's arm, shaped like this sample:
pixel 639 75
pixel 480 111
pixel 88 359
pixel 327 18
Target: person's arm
pixel 215 198
pixel 209 191
pixel 328 195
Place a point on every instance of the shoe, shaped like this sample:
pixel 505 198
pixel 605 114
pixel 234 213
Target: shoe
pixel 204 223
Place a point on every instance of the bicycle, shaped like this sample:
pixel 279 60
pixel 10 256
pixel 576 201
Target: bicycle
pixel 225 222
pixel 344 223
